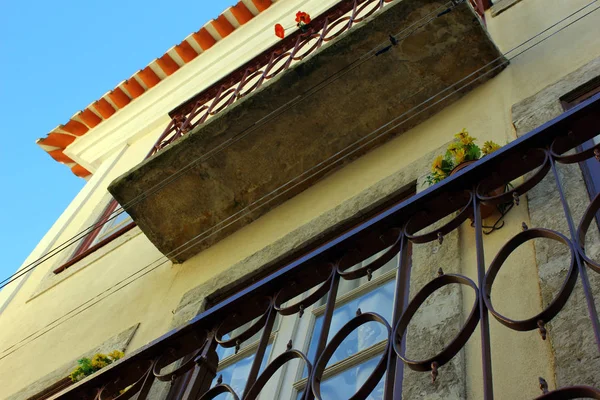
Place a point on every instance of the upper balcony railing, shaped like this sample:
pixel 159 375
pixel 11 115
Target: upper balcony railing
pixel 253 74
pixel 396 233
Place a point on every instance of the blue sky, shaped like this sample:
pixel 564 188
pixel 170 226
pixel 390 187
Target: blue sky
pixel 56 57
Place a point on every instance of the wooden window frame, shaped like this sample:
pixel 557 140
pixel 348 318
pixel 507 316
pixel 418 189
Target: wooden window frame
pixel 88 245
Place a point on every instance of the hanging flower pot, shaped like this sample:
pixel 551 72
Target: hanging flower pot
pixel 486 209
pixel 461 153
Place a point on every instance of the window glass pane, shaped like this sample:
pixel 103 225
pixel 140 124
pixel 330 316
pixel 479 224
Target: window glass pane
pixel 113 225
pixel 224 396
pixel 379 300
pixel 223 352
pixel 347 286
pixel 345 384
pixel 236 374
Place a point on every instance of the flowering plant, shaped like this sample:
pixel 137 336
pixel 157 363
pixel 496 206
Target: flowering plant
pixel 461 150
pixel 88 366
pixel 302 21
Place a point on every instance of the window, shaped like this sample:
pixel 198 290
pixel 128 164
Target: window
pixel 110 225
pixel 235 368
pixel 590 168
pixel 353 361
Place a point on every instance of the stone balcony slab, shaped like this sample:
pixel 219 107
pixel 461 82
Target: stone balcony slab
pixel 280 140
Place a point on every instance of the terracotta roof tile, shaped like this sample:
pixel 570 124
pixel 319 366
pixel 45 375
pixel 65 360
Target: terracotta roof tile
pixel 146 78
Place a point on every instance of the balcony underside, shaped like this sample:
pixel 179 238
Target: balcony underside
pixel 207 198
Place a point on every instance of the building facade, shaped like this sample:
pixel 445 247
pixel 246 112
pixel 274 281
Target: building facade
pixel 257 220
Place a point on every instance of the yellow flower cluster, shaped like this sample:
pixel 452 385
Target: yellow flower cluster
pixel 462 149
pixel 489 147
pixel 77 375
pixel 98 361
pixel 116 355
pixel 436 168
pixel 464 137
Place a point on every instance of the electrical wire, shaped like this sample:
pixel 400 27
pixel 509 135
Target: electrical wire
pixel 257 124
pixel 96 299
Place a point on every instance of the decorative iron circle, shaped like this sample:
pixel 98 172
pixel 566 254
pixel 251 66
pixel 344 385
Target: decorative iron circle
pixel 132 390
pixel 185 366
pixel 375 264
pixel 198 116
pixel 572 392
pixel 584 225
pixel 303 43
pixel 520 190
pixel 335 23
pixel 571 158
pixel 459 340
pixel 308 300
pixel 369 13
pixel 272 368
pixel 241 92
pixel 226 103
pixel 557 303
pixel 274 63
pixel 336 341
pixel 247 334
pixel 457 221
pixel 217 391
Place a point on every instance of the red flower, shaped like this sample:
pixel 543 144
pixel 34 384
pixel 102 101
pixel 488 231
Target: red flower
pixel 279 31
pixel 302 17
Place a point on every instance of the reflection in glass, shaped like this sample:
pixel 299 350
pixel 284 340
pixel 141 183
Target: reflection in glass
pixel 379 300
pixel 345 384
pixel 114 224
pixel 236 374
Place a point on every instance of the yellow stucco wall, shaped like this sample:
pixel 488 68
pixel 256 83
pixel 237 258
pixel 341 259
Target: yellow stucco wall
pixel 151 299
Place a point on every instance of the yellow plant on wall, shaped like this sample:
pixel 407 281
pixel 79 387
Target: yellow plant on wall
pixel 461 150
pixel 88 366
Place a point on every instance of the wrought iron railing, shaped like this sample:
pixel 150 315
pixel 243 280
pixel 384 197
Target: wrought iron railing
pixel 537 156
pixel 252 75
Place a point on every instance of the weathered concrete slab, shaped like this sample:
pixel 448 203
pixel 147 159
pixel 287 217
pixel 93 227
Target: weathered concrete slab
pixel 220 194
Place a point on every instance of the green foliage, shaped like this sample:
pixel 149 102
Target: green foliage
pixel 88 366
pixel 461 150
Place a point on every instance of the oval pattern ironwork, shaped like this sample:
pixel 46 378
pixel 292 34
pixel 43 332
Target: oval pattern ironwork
pixel 373 266
pixel 567 144
pixel 520 190
pixel 218 390
pixel 272 368
pixel 588 217
pixel 184 367
pixel 451 225
pixel 245 335
pixel 373 379
pixel 572 392
pixel 129 390
pixel 308 300
pixel 459 340
pixel 557 303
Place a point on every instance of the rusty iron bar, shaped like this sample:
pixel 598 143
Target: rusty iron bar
pixel 262 349
pixel 327 318
pixel 486 346
pixel 395 369
pixel 585 281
